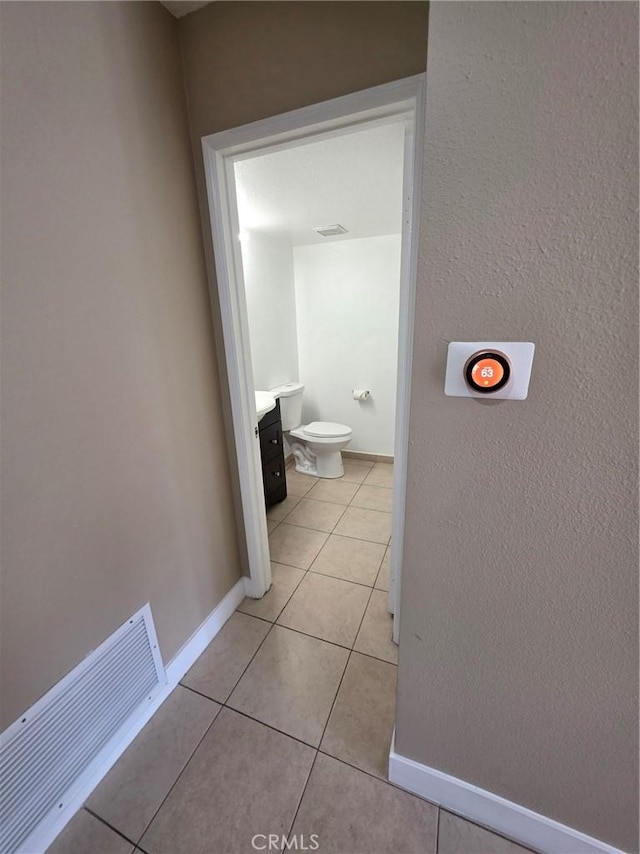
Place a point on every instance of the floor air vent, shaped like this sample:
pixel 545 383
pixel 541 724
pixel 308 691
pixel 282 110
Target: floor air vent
pixel 44 752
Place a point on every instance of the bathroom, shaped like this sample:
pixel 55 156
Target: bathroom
pixel 323 310
pixel 323 313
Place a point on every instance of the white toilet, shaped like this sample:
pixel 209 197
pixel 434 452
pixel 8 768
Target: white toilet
pixel 316 447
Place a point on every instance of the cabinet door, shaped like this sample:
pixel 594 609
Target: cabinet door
pixel 275 484
pixel 271 442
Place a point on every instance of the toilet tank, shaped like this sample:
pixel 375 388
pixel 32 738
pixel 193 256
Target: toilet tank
pixel 290 397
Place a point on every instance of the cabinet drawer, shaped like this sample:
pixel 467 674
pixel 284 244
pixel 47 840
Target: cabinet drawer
pixel 271 442
pixel 274 480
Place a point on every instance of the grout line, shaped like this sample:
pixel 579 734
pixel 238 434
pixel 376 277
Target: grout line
pixel 175 782
pixel 223 705
pixel 335 697
pixel 288 513
pixel 339 645
pixel 339 577
pixel 200 694
pixel 321 550
pixel 437 830
pixel 386 549
pixel 184 767
pixel 108 824
pixel 375 657
pixel 279 614
pixel 304 789
pixel 497 833
pixel 344 507
pixel 331 532
pixel 322 640
pixel 315 637
pixel 355 539
pixel 290 565
pixel 327 501
pixel 255 616
pixel 381 779
pixel 270 726
pixel 364 614
pixel 343 674
pixel 258 648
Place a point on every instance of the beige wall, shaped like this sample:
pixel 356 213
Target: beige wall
pixel 115 479
pixel 518 656
pixel 246 61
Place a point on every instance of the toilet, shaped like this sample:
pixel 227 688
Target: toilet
pixel 316 446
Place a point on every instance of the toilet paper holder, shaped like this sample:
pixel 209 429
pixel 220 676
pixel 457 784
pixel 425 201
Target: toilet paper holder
pixel 361 394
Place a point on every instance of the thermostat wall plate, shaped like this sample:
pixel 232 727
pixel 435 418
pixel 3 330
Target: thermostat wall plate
pixel 489 369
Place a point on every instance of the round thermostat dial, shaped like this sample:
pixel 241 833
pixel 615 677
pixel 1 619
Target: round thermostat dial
pixel 487 371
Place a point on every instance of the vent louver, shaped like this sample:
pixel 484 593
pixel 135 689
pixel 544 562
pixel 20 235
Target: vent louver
pixel 330 230
pixel 46 749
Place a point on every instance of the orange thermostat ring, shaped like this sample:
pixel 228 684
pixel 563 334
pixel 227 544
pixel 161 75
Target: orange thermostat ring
pixel 480 356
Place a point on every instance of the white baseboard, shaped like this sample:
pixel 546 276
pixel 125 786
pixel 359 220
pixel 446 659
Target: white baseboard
pixel 74 798
pixel 493 812
pixel 202 637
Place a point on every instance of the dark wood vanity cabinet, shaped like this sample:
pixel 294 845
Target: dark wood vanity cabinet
pixel 272 453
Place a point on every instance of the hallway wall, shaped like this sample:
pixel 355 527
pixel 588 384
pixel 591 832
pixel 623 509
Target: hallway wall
pixel 115 480
pixel 249 60
pixel 519 632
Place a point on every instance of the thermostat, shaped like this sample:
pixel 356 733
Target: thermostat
pixel 489 369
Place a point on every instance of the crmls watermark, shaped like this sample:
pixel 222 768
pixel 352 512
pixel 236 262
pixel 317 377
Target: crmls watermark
pixel 277 842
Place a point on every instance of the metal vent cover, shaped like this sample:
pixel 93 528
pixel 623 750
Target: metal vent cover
pixel 43 753
pixel 331 230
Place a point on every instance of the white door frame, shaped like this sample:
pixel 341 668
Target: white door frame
pixel 350 113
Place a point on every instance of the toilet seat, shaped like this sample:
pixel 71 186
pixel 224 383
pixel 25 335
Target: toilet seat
pixel 324 433
pixel 327 430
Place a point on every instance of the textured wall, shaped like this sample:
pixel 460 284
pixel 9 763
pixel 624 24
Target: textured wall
pixel 518 655
pixel 115 479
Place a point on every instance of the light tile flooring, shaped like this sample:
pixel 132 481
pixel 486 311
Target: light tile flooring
pixel 283 725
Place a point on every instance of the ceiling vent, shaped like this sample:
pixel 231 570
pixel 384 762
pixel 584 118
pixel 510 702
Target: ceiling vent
pixel 330 230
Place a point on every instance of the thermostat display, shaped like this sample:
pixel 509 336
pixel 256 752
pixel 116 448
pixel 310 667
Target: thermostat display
pixel 487 372
pixel 489 369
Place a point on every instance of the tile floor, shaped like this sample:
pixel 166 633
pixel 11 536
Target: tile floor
pixel 283 724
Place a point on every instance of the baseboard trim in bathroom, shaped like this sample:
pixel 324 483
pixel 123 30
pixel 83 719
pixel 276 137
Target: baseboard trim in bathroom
pixel 370 458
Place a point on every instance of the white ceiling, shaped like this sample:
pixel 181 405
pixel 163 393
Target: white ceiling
pixel 354 179
pixel 180 8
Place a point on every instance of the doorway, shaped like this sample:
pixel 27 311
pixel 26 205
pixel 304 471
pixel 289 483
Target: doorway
pixel 391 104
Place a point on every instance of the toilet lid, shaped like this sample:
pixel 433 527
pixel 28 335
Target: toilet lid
pixel 327 429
